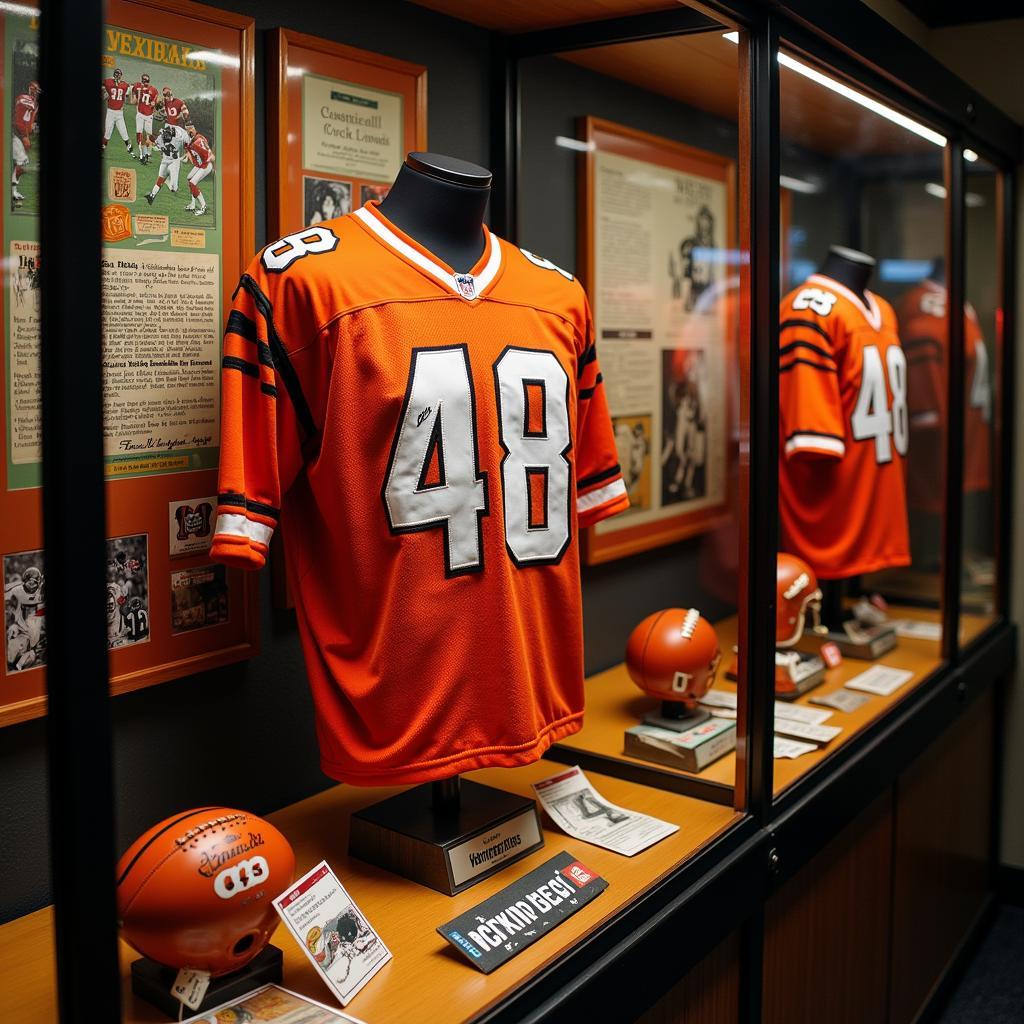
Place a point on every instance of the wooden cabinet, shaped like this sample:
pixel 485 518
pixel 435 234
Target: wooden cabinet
pixel 709 994
pixel 826 929
pixel 941 876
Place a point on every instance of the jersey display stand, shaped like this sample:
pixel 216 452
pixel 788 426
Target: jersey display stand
pixel 152 981
pixel 447 835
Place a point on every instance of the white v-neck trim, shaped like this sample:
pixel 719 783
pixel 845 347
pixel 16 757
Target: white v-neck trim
pixel 442 274
pixel 872 312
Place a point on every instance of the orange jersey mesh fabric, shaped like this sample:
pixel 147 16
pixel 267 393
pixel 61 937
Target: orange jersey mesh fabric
pixel 432 443
pixel 924 328
pixel 844 431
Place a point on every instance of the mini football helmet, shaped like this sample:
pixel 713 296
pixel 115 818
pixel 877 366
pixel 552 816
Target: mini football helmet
pixel 797 593
pixel 674 655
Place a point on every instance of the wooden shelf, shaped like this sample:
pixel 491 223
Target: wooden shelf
pixel 614 703
pixel 426 980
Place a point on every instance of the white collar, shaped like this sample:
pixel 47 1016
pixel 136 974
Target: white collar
pixel 466 286
pixel 872 312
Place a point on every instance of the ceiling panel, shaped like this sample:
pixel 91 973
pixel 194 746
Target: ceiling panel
pixel 527 15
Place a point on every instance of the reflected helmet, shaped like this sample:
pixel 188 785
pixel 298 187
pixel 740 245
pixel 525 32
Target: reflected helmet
pixel 196 890
pixel 673 655
pixel 797 593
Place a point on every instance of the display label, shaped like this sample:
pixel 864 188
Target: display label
pixel 791 749
pixel 332 932
pixel 577 808
pixel 494 931
pixel 914 629
pixel 831 655
pixel 880 679
pixel 507 841
pixel 190 986
pixel 842 700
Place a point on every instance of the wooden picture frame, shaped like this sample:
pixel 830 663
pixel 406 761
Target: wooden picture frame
pixel 171 272
pixel 655 524
pixel 357 75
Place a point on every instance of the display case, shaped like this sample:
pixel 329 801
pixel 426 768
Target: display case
pixel 798 323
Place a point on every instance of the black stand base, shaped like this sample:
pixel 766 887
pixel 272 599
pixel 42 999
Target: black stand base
pixel 877 640
pixel 797 672
pixel 674 722
pixel 152 982
pixel 444 842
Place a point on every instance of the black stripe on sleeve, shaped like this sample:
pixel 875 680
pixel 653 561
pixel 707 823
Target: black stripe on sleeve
pixel 815 433
pixel 241 325
pixel 809 324
pixel 242 365
pixel 596 478
pixel 586 359
pixel 282 363
pixel 234 500
pixel 268 389
pixel 586 393
pixel 806 362
pixel 793 345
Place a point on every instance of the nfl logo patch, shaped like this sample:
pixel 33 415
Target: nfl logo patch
pixel 467 286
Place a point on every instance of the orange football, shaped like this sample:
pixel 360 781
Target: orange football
pixel 195 890
pixel 673 655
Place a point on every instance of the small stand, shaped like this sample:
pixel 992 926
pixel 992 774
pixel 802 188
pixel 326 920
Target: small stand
pixel 447 835
pixel 152 982
pixel 867 643
pixel 796 673
pixel 674 716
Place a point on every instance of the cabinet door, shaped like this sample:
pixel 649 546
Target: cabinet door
pixel 942 879
pixel 826 929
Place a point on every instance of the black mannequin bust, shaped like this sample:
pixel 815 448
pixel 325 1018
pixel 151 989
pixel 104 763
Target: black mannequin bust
pixel 850 268
pixel 440 202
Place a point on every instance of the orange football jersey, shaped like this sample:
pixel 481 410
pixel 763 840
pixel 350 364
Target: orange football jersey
pixel 924 329
pixel 432 442
pixel 844 431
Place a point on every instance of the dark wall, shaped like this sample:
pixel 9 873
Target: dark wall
pixel 241 736
pixel 555 93
pixel 244 736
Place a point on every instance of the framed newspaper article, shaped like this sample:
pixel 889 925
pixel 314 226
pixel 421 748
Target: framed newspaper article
pixel 657 257
pixel 340 122
pixel 176 82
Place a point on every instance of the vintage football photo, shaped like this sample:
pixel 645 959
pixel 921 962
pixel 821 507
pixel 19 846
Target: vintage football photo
pixel 127 590
pixel 24 611
pixel 199 598
pixel 325 199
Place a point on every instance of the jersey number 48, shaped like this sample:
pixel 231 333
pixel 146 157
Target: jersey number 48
pixel 872 416
pixel 434 481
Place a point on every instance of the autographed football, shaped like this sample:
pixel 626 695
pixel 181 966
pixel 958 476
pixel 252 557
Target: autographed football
pixel 673 655
pixel 195 890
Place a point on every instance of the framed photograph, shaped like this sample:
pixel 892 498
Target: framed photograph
pixel 658 258
pixel 340 123
pixel 176 85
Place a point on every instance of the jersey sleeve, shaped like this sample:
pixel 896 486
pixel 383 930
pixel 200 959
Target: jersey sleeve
pixel 600 489
pixel 271 391
pixel 810 408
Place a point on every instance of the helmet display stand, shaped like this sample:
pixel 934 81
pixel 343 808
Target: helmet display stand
pixel 447 835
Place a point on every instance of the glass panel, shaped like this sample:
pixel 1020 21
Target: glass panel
pixel 861 394
pixel 983 343
pixel 629 166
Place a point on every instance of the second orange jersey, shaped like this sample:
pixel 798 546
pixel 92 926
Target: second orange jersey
pixel 844 431
pixel 924 327
pixel 432 443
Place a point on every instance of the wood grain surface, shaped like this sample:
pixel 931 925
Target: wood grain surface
pixel 426 980
pixel 614 703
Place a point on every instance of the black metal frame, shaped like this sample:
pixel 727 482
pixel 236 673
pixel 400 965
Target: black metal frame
pixel 722 888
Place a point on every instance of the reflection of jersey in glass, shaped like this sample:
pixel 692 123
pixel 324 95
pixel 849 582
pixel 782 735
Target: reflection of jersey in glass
pixel 844 431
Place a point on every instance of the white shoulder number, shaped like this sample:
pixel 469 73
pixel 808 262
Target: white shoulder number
pixel 817 300
pixel 280 255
